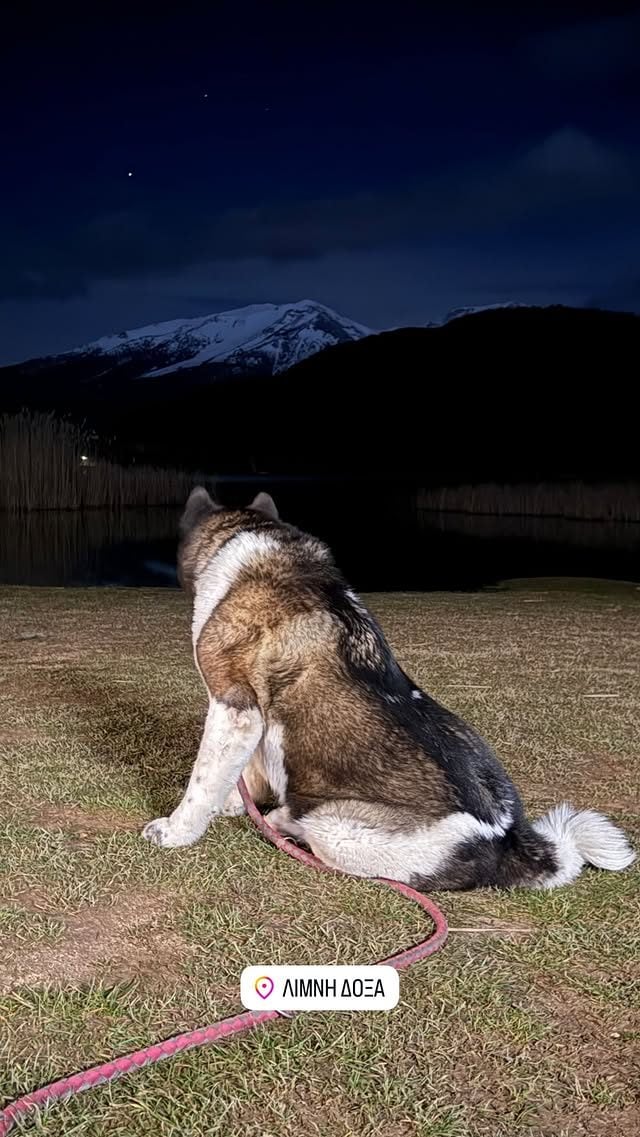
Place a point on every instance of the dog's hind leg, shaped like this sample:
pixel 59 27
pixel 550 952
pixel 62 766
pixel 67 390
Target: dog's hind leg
pixel 366 839
pixel 230 738
pixel 356 837
pixel 281 820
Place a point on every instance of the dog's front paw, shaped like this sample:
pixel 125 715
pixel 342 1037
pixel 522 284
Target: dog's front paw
pixel 170 836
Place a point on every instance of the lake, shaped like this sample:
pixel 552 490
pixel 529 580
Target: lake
pixel 379 539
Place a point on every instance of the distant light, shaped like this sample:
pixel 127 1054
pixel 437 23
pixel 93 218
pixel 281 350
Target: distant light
pixel 130 174
pixel 84 457
pixel 205 96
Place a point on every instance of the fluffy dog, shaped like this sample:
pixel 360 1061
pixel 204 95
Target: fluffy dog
pixel 307 702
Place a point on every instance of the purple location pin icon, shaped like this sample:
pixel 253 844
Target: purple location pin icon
pixel 264 986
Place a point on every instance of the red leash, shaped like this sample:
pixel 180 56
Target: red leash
pixel 109 1071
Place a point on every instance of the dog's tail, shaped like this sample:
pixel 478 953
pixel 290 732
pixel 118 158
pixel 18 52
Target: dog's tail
pixel 545 853
pixel 576 838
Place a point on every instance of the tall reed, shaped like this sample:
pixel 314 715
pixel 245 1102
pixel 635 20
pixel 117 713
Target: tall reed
pixel 603 502
pixel 48 463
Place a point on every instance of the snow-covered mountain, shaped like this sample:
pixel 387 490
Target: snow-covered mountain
pixel 261 337
pixel 470 310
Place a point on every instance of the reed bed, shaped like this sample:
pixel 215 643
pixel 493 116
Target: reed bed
pixel 50 463
pixel 572 500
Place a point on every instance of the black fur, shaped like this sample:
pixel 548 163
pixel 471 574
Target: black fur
pixel 519 858
pixel 480 783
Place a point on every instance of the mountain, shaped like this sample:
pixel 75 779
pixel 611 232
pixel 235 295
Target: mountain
pixel 506 393
pixel 264 338
pixel 260 338
pixel 473 309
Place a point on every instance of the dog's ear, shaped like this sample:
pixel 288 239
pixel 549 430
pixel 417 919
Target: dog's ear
pixel 200 505
pixel 265 504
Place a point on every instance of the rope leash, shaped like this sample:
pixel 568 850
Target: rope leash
pixel 237 1024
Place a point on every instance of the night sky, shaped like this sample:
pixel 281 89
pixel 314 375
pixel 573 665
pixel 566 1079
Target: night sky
pixel 391 160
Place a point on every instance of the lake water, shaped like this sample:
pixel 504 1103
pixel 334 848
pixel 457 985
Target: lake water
pixel 378 539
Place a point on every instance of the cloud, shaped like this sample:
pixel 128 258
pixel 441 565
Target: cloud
pixel 554 177
pixel 590 50
pixel 570 152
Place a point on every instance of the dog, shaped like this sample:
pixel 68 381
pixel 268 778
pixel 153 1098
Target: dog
pixel 309 705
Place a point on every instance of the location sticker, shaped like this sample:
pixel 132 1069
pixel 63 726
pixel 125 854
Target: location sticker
pixel 291 988
pixel 264 986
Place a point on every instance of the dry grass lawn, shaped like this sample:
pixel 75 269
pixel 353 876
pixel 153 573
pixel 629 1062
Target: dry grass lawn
pixel 526 1023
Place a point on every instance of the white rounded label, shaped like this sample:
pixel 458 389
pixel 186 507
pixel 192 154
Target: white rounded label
pixel 307 988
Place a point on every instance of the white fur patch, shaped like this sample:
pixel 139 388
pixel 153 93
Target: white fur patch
pixel 273 759
pixel 348 843
pixel 281 820
pixel 222 571
pixel 234 805
pixel 582 837
pixel 356 601
pixel 317 548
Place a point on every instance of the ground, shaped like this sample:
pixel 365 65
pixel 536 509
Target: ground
pixel 523 1024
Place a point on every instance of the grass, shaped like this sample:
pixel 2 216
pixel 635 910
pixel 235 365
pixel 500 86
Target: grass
pixel 525 1023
